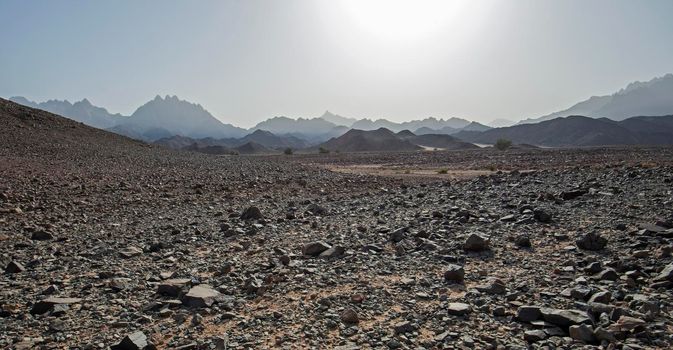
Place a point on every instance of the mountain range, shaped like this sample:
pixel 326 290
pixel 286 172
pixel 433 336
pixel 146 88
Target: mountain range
pixel 169 119
pixel 654 97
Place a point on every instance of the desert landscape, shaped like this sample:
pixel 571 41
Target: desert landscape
pixel 343 174
pixel 108 241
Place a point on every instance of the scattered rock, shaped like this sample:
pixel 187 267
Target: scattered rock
pixel 459 309
pixel 492 285
pixel 47 305
pixel 133 341
pixel 476 242
pixel 200 296
pixel 14 267
pixel 403 327
pixel 582 332
pixel 454 273
pixel 349 316
pixel 315 248
pixel 173 287
pixel 251 213
pixel 565 318
pixel 41 235
pixel 522 241
pixel 591 241
pixel 528 313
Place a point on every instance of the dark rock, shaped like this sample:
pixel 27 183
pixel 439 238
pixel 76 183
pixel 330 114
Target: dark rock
pixel 14 267
pixel 252 285
pixel 534 336
pixel 315 248
pixel 476 242
pixel 349 316
pixel 601 297
pixel 666 274
pixel 591 241
pixel 47 305
pixel 572 194
pixel 454 273
pixel 41 235
pixel 492 286
pixel 565 318
pixel 582 332
pixel 333 252
pixel 522 241
pixel 133 341
pixel 403 327
pixel 542 216
pixel 608 274
pixel 528 313
pixel 316 209
pixel 251 213
pixel 398 235
pixel 173 287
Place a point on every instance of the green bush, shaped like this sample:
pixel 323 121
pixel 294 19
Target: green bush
pixel 323 150
pixel 442 171
pixel 503 144
pixel 288 151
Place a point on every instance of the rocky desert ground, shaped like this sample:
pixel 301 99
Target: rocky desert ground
pixel 107 242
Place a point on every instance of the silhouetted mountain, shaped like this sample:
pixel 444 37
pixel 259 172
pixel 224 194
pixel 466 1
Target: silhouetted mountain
pixel 270 140
pixel 82 111
pixel 259 137
pixel 501 123
pixel 337 119
pixel 475 126
pixel 430 123
pixel 177 117
pixel 654 98
pixel 447 130
pixel 581 131
pixel 380 140
pixel 285 125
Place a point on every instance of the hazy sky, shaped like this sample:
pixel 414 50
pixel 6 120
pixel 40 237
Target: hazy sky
pixel 246 61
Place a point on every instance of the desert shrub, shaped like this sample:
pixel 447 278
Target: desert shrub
pixel 323 150
pixel 503 144
pixel 442 171
pixel 288 151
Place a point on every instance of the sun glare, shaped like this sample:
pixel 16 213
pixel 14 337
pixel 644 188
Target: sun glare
pixel 400 21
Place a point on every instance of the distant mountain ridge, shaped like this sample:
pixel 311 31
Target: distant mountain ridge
pixel 82 111
pixel 574 131
pixel 654 97
pixel 430 123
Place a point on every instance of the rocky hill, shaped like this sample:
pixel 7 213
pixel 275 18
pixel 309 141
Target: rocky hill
pixel 380 140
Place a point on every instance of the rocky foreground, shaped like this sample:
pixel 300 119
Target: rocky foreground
pixel 106 242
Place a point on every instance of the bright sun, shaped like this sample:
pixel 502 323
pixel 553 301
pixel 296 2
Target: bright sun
pixel 403 20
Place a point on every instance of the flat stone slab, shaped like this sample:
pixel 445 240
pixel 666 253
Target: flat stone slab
pixel 46 305
pixel 173 287
pixel 201 296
